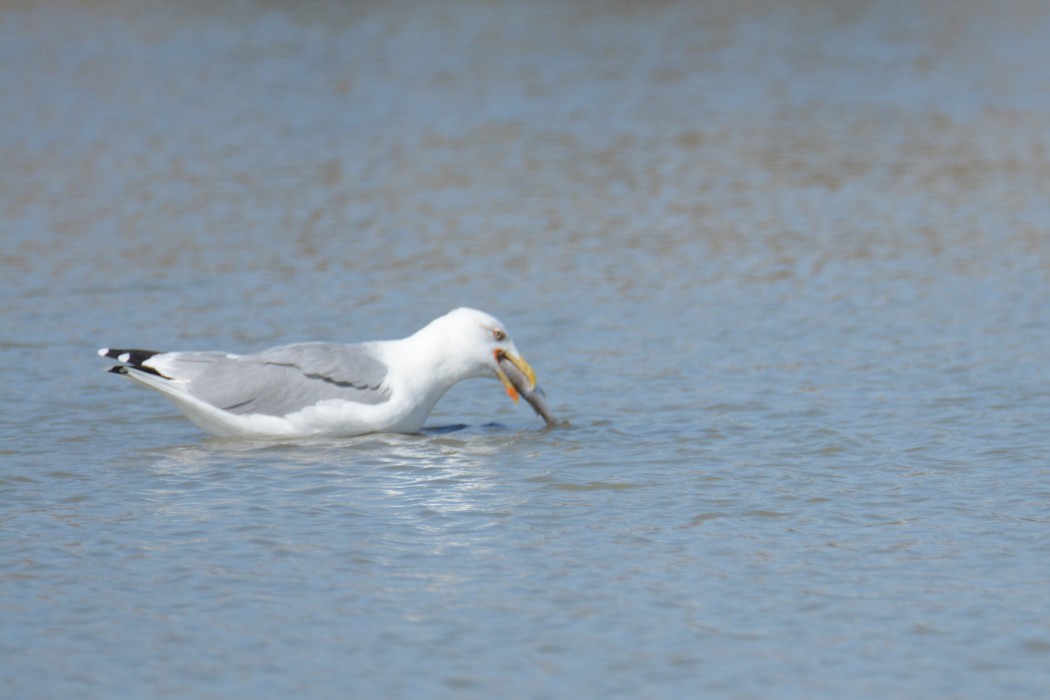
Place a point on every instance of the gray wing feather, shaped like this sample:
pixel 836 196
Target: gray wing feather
pixel 352 365
pixel 288 378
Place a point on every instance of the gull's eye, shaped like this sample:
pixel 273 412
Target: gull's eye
pixel 499 335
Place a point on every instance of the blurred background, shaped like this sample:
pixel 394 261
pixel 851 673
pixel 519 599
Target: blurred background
pixel 783 266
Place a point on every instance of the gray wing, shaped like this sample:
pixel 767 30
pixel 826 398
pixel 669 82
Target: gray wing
pixel 288 378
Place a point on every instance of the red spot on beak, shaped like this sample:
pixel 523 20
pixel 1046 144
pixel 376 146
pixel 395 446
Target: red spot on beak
pixel 511 390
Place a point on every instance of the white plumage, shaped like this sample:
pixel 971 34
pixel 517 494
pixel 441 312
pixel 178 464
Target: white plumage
pixel 329 389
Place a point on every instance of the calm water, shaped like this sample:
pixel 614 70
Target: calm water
pixel 783 267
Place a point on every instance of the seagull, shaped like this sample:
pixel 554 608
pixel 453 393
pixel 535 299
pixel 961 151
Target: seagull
pixel 331 389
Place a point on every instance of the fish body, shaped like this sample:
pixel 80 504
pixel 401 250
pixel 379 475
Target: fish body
pixel 532 393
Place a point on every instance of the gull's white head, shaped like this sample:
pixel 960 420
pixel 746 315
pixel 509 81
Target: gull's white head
pixel 476 342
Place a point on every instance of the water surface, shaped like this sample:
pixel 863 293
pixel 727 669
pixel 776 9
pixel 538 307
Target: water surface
pixel 783 268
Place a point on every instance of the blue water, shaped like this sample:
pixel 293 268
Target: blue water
pixel 782 269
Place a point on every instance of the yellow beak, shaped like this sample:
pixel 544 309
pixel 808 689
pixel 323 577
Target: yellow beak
pixel 522 366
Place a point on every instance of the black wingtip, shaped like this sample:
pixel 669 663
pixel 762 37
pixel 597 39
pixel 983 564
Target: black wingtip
pixel 128 356
pixel 131 358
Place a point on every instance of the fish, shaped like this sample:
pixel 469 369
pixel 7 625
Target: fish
pixel 533 395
